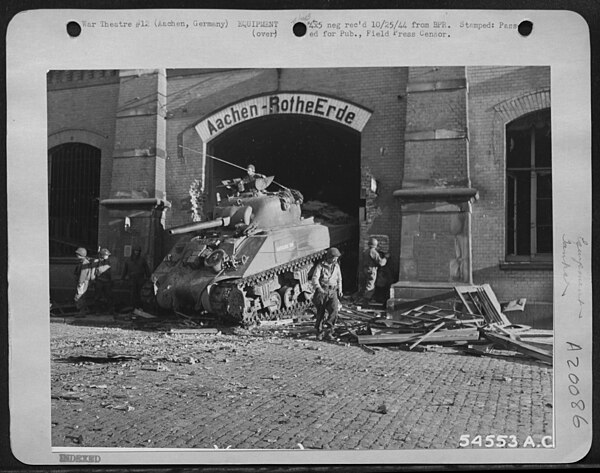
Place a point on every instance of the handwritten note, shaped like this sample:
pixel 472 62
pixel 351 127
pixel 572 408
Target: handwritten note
pixel 572 262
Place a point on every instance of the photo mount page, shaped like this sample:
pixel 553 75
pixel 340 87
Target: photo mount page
pixel 429 105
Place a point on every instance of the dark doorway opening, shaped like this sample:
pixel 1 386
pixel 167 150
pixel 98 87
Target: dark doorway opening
pixel 73 197
pixel 317 157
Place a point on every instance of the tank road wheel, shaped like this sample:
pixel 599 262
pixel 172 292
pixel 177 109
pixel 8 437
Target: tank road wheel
pixel 289 296
pixel 274 302
pixel 237 306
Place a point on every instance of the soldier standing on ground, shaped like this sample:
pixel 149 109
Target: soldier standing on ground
pixel 327 280
pixel 136 271
pixel 84 273
pixel 373 259
pixel 103 297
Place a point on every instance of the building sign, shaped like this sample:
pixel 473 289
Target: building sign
pixel 320 106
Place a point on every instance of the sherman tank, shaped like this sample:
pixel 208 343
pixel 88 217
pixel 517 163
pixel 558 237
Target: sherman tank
pixel 249 263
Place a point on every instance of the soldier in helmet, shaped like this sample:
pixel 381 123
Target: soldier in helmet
pixel 327 280
pixel 373 259
pixel 136 271
pixel 84 273
pixel 247 183
pixel 103 295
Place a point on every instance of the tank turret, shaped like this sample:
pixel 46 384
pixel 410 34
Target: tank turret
pixel 251 262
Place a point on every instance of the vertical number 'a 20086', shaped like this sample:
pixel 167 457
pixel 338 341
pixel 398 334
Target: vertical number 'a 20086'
pixel 577 404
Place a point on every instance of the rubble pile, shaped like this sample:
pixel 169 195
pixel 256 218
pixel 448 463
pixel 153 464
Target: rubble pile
pixel 470 316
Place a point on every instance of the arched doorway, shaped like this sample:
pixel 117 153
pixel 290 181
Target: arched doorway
pixel 318 157
pixel 73 197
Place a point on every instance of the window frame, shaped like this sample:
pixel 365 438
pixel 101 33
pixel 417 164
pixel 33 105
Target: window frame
pixel 539 258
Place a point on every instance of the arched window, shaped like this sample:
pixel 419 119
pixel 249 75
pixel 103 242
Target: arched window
pixel 529 188
pixel 73 197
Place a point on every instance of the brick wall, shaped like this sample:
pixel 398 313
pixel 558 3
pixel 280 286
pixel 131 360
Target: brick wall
pixel 497 96
pixel 87 115
pixel 436 156
pixel 81 109
pixel 140 137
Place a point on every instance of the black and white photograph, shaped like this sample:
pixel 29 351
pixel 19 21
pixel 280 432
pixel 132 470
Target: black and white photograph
pixel 303 259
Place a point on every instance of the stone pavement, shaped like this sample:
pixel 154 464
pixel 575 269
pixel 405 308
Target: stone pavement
pixel 145 387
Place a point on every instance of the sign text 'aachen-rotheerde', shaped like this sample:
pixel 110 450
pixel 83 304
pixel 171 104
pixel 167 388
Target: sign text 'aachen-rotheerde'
pixel 319 106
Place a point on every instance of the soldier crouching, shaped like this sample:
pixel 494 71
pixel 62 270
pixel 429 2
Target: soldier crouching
pixel 327 280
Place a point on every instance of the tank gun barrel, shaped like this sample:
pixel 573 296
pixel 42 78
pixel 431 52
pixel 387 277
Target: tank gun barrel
pixel 197 226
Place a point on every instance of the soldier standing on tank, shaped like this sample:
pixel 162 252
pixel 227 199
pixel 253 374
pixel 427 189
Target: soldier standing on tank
pixel 103 277
pixel 373 259
pixel 84 273
pixel 136 271
pixel 327 280
pixel 247 183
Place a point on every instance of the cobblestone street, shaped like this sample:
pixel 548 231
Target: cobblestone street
pixel 122 385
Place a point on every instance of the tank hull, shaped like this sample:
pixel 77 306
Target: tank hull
pixel 261 266
pixel 252 262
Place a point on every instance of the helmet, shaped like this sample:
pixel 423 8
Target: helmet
pixel 104 252
pixel 331 252
pixel 373 242
pixel 81 252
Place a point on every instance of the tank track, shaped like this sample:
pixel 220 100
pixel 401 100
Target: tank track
pixel 222 290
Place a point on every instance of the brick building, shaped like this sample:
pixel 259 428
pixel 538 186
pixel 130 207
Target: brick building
pixel 449 166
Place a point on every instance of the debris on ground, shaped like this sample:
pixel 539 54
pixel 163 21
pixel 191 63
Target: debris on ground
pixel 467 316
pixel 143 314
pixel 63 309
pixel 188 331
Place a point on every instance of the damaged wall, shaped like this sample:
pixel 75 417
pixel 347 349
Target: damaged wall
pixel 435 236
pixel 498 95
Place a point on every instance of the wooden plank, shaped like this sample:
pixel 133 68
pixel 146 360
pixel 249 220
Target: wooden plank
pixel 462 292
pixel 425 300
pixel 449 319
pixel 143 314
pixel 379 331
pixel 487 307
pixel 396 323
pixel 521 347
pixel 491 296
pixel 428 334
pixel 468 334
pixel 194 330
pixel 275 323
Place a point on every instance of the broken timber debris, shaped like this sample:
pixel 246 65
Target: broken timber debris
pixel 468 314
pixel 144 315
pixel 188 331
pixel 521 347
pixel 455 335
pixel 276 323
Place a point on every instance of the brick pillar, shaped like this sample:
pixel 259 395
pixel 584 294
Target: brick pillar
pixel 137 197
pixel 435 195
pixel 140 135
